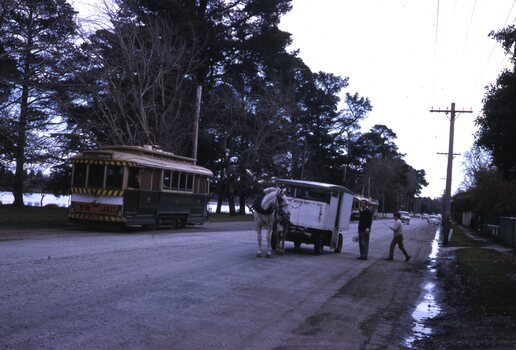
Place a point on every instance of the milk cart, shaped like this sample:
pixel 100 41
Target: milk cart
pixel 320 212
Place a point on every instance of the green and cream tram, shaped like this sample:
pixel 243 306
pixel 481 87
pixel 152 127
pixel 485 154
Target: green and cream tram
pixel 138 186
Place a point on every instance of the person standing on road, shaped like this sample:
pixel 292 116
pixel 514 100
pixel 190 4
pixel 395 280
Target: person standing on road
pixel 397 230
pixel 365 220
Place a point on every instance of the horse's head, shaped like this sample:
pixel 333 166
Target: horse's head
pixel 282 204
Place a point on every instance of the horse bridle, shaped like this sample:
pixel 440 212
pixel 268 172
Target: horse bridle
pixel 281 213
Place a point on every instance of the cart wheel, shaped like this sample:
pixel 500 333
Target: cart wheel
pixel 318 245
pixel 297 244
pixel 339 244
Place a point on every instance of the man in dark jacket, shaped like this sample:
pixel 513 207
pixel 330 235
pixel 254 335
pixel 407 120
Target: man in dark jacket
pixel 364 229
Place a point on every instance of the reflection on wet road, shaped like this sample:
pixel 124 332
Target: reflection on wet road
pixel 428 307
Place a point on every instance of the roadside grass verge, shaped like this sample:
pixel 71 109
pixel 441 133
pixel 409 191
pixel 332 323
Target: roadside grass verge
pixel 488 276
pixel 56 217
pixel 459 239
pixel 478 287
pixel 224 217
pixel 32 217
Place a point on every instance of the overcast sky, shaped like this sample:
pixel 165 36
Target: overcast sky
pixel 407 57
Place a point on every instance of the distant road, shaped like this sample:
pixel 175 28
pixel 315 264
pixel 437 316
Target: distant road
pixel 203 288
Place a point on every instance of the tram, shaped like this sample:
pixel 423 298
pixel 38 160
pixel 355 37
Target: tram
pixel 138 186
pixel 355 210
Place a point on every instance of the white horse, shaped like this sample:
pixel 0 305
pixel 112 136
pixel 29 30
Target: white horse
pixel 272 210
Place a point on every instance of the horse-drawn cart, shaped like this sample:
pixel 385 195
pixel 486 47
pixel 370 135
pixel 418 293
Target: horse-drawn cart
pixel 319 213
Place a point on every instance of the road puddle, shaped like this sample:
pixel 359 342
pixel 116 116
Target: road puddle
pixel 428 307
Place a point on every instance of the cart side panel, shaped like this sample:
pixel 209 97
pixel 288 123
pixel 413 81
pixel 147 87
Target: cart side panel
pixel 345 211
pixel 331 213
pixel 307 213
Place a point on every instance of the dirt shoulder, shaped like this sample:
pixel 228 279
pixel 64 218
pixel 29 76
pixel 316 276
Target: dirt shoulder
pixel 478 305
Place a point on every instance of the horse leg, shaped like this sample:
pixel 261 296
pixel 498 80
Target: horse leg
pixel 269 234
pixel 284 231
pixel 259 253
pixel 276 238
pixel 280 247
pixel 283 234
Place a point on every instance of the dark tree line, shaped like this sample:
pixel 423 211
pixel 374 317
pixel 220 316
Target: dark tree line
pixel 490 186
pixel 133 80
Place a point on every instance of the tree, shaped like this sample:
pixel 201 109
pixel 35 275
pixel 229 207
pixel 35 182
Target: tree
pixel 37 36
pixel 248 128
pixel 385 173
pixel 493 196
pixel 475 160
pixel 378 142
pixel 316 122
pixel 132 83
pixel 484 190
pixel 497 123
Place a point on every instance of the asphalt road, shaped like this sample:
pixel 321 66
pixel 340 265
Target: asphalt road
pixel 203 288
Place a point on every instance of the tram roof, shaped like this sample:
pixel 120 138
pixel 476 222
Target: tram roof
pixel 315 185
pixel 143 156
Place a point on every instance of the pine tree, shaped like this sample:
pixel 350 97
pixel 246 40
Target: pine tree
pixel 37 36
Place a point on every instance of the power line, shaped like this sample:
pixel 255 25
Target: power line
pixel 469 27
pixel 435 49
pixel 493 49
pixel 437 29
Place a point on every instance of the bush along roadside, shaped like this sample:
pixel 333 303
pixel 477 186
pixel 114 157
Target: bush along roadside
pixel 479 297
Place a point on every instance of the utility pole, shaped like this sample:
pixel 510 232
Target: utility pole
pixel 196 122
pixel 447 194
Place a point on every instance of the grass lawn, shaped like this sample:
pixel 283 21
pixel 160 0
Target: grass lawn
pixel 32 217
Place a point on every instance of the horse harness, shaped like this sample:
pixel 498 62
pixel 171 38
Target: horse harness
pixel 257 205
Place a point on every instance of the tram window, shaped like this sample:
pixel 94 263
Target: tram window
pixel 114 176
pixel 167 174
pixel 175 180
pixel 189 182
pixel 146 179
pixel 203 185
pixel 156 179
pixel 133 180
pixel 96 175
pixel 195 188
pixel 182 181
pixel 79 175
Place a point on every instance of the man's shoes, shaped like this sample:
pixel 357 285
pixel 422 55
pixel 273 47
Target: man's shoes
pixel 389 259
pixel 407 258
pixel 361 258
